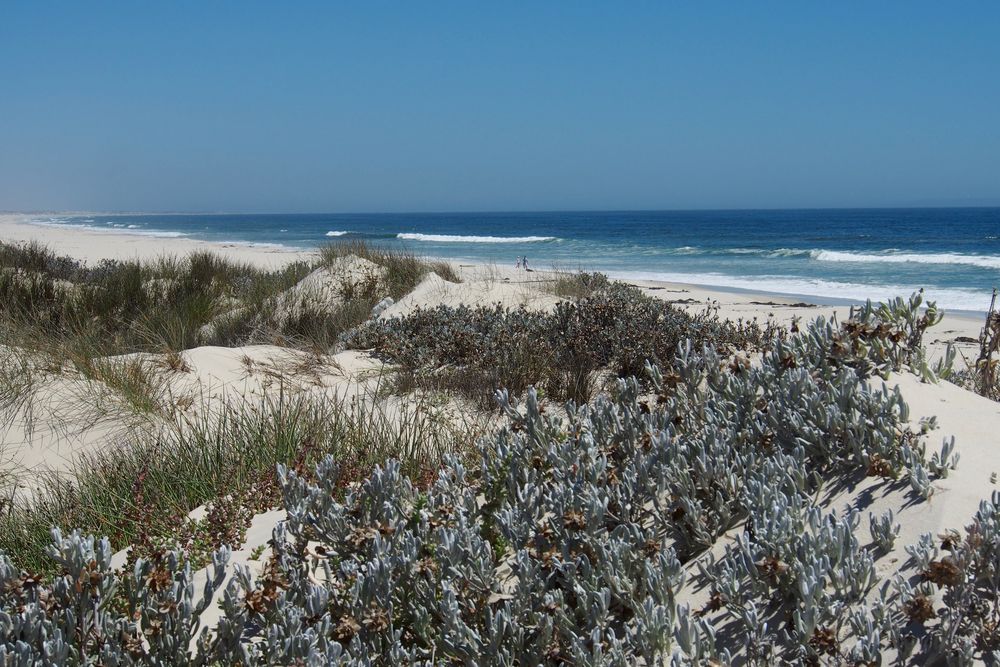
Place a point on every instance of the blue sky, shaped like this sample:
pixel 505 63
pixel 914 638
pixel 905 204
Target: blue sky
pixel 505 106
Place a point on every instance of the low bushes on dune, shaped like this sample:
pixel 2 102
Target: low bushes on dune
pixel 118 307
pixel 477 350
pixel 403 269
pixel 613 328
pixel 576 540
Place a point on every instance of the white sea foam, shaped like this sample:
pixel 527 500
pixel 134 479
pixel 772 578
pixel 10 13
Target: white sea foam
pixel 948 298
pixel 447 238
pixel 332 233
pixel 122 229
pixel 762 252
pixel 153 232
pixel 983 261
pixel 884 257
pixel 768 252
pixel 116 228
pixel 256 244
pixel 788 252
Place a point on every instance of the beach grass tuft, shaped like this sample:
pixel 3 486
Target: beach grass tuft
pixel 404 269
pixel 175 303
pixel 140 491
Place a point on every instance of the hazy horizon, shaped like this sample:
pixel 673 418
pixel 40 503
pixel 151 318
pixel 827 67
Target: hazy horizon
pixel 254 108
pixel 487 212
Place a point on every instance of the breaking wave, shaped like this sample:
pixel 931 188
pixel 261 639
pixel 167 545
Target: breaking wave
pixel 447 238
pixel 109 227
pixel 885 257
pixel 982 261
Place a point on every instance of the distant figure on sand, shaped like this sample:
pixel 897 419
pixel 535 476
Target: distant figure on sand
pixel 518 265
pixel 524 263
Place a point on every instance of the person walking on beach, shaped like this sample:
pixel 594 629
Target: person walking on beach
pixel 518 265
pixel 524 262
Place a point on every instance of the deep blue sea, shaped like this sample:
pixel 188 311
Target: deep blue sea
pixel 826 255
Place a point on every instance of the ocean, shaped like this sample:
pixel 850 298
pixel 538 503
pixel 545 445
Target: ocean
pixel 826 255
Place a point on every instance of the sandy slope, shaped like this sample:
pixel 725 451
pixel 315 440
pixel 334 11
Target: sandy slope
pixel 72 417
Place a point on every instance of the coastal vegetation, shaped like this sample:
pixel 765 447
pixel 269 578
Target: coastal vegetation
pixel 115 334
pixel 51 303
pixel 612 328
pixel 612 480
pixel 60 318
pixel 138 492
pixel 982 375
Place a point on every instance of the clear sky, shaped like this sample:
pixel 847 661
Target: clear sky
pixel 370 106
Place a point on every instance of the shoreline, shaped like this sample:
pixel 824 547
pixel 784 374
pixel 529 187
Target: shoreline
pixel 95 245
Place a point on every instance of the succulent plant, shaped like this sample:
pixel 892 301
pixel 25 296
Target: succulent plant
pixel 944 461
pixel 883 531
pixel 572 536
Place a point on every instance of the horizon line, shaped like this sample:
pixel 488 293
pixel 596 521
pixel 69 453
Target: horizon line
pixel 494 211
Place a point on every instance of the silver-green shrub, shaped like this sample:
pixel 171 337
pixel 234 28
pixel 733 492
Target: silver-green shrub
pixel 570 541
pixel 883 530
pixel 91 614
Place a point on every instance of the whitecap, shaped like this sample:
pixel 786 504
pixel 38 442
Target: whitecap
pixel 888 257
pixel 789 252
pixel 767 252
pixel 448 238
